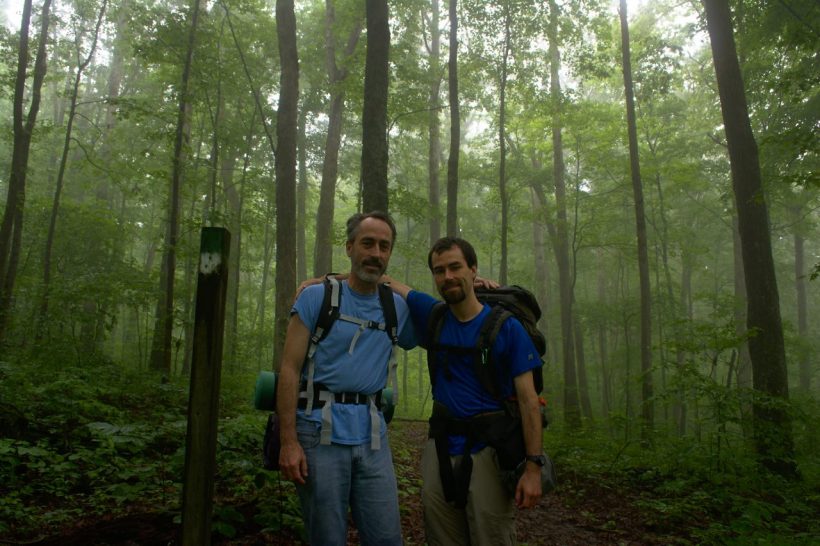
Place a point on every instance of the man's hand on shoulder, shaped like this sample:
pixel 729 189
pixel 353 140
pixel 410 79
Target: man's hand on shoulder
pixel 317 280
pixel 481 282
pixel 397 286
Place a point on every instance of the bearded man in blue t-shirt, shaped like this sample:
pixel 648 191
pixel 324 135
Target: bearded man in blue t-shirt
pixel 484 511
pixel 334 443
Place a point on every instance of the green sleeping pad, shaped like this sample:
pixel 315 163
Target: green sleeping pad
pixel 264 396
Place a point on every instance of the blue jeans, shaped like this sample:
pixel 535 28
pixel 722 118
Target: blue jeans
pixel 340 476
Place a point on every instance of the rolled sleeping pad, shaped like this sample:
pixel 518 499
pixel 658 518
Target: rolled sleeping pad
pixel 388 407
pixel 264 395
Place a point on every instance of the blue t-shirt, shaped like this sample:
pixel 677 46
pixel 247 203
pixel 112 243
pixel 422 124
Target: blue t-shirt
pixel 456 384
pixel 344 366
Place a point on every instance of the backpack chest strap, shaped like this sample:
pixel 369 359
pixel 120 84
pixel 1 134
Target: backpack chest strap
pixel 363 325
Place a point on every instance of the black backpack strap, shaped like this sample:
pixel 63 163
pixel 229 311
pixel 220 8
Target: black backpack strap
pixel 329 312
pixel 431 341
pixel 389 309
pixel 391 328
pixel 486 367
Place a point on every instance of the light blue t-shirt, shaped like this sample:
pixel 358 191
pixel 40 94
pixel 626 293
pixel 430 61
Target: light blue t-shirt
pixel 344 366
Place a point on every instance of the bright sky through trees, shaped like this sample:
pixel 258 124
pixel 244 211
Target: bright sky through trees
pixel 11 10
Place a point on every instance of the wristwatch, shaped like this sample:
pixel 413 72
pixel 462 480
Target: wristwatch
pixel 540 460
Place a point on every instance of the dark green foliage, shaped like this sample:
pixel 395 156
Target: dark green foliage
pixel 92 439
pixel 679 488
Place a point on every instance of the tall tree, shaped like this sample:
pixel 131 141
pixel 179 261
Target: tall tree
pixel 772 423
pixel 323 249
pixel 802 302
pixel 163 319
pixel 82 64
pixel 647 403
pixel 12 225
pixel 301 198
pixel 572 411
pixel 455 124
pixel 374 117
pixel 286 132
pixel 502 143
pixel 434 130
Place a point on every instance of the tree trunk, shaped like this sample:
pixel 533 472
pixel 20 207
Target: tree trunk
pixel 603 347
pixel 374 117
pixel 804 356
pixel 164 323
pixel 455 125
pixel 541 273
pixel 502 147
pixel 744 362
pixel 235 200
pixel 12 225
pixel 552 231
pixel 261 334
pixel 188 306
pixel 681 406
pixel 434 150
pixel 647 409
pixel 286 121
pixel 115 74
pixel 55 206
pixel 583 385
pixel 323 249
pixel 301 198
pixel 572 411
pixel 773 427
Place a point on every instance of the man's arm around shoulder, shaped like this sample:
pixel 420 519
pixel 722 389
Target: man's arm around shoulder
pixel 397 286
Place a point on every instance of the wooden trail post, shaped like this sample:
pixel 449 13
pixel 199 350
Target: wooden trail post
pixel 203 399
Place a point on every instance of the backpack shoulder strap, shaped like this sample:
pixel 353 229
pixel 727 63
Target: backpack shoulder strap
pixel 391 328
pixel 434 324
pixel 329 311
pixel 431 340
pixel 485 362
pixel 328 314
pixel 389 309
pixel 491 326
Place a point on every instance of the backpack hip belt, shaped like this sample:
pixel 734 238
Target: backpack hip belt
pixel 357 398
pixel 498 429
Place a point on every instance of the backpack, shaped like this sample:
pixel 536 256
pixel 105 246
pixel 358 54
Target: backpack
pixel 266 383
pixel 505 302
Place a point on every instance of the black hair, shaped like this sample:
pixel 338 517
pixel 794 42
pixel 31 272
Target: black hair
pixel 446 243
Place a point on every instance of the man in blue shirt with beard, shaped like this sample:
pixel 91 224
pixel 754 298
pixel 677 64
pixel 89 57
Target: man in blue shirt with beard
pixel 464 499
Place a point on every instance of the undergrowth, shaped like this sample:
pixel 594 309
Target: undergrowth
pixel 79 443
pixel 83 442
pixel 683 485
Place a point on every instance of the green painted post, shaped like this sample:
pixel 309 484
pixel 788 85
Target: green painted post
pixel 203 402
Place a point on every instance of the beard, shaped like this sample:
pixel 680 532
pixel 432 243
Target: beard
pixel 453 297
pixel 368 276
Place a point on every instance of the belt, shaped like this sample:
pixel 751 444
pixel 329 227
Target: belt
pixel 341 398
